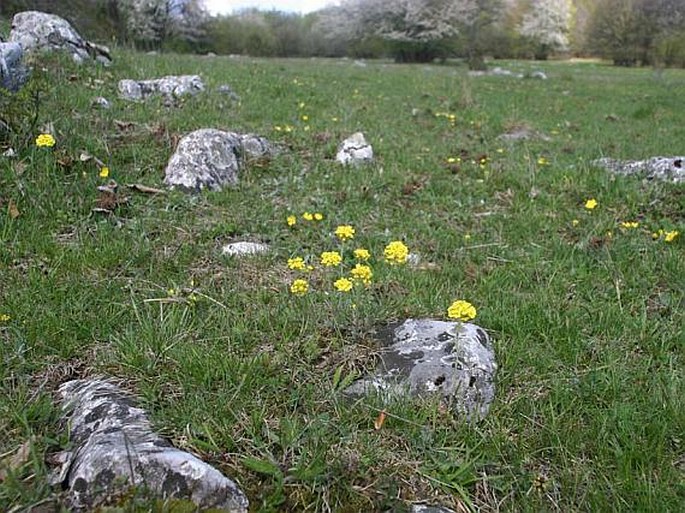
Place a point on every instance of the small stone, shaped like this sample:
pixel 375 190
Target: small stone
pixel 101 102
pixel 170 87
pixel 667 169
pixel 423 508
pixel 244 249
pixel 541 75
pixel 354 150
pixel 9 153
pixel 228 91
pixel 452 359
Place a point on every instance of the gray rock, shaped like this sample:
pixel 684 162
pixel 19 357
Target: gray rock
pixel 523 133
pixel 39 31
pixel 113 448
pixel 667 169
pixel 13 74
pixel 354 151
pixel 227 90
pixel 455 360
pixel 170 87
pixel 422 508
pixel 244 249
pixel 212 159
pixel 101 102
pixel 541 75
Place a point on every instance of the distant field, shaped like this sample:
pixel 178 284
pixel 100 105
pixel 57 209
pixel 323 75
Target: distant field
pixel 586 315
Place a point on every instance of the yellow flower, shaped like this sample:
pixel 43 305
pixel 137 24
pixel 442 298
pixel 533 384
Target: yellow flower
pixel 591 203
pixel 451 160
pixel 542 161
pixel 4 317
pixel 45 140
pixel 396 252
pixel 362 273
pixel 331 258
pixel 362 254
pixel 342 285
pixel 104 172
pixel 630 224
pixel 575 222
pixel 299 287
pixel 467 236
pixel 670 236
pixel 344 232
pixel 297 264
pixel 307 216
pixel 291 220
pixel 301 105
pixel 305 117
pixel 277 128
pixel 171 292
pixel 318 216
pixel 461 311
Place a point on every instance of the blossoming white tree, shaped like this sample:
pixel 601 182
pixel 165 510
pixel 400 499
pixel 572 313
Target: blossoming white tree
pixel 547 24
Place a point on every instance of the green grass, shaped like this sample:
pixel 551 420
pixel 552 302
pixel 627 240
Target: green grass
pixel 590 410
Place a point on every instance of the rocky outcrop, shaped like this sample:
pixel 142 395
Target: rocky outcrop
pixel 13 74
pixel 452 359
pixel 39 31
pixel 667 169
pixel 113 448
pixel 212 159
pixel 171 87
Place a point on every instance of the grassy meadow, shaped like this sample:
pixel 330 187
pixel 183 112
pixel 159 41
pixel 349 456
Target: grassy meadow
pixel 585 313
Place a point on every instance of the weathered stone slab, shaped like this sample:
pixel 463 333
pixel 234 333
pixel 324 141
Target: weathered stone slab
pixel 667 169
pixel 13 74
pixel 170 87
pixel 354 150
pixel 244 248
pixel 212 159
pixel 452 359
pixel 113 448
pixel 39 31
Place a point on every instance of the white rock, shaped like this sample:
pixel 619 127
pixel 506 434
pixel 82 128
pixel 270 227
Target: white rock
pixel 244 249
pixel 354 150
pixel 171 87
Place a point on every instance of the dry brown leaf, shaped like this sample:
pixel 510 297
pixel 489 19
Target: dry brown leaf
pixel 380 420
pixel 13 210
pixel 13 461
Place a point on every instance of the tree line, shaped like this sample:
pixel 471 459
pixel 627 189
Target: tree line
pixel 628 32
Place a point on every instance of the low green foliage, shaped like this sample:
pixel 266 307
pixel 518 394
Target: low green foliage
pixel 586 313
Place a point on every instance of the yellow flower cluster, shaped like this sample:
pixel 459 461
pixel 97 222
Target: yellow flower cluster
pixel 104 172
pixel 45 140
pixel 331 258
pixel 342 285
pixel 299 287
pixel 362 254
pixel 461 311
pixel 629 224
pixel 396 253
pixel 344 232
pixel 362 273
pixel 669 236
pixel 4 317
pixel 297 264
pixel 591 204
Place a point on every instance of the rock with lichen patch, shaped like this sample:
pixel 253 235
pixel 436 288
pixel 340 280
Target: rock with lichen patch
pixel 667 169
pixel 354 151
pixel 171 88
pixel 452 359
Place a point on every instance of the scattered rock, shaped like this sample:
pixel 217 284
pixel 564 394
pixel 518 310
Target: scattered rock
pixel 101 102
pixel 9 153
pixel 497 71
pixel 13 74
pixel 227 90
pixel 539 75
pixel 114 448
pixel 211 159
pixel 668 169
pixel 244 249
pixel 170 87
pixel 422 508
pixel 453 359
pixel 39 31
pixel 354 150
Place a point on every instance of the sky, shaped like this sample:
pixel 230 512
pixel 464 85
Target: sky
pixel 301 6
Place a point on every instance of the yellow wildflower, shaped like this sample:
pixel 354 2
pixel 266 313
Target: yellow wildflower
pixel 575 222
pixel 291 220
pixel 297 264
pixel 45 140
pixel 344 232
pixel 362 273
pixel 670 236
pixel 308 216
pixel 396 252
pixel 343 285
pixel 461 311
pixel 542 161
pixel 305 117
pixel 630 224
pixel 171 292
pixel 591 203
pixel 451 160
pixel 318 216
pixel 4 317
pixel 362 254
pixel 299 287
pixel 467 236
pixel 331 258
pixel 301 105
pixel 104 172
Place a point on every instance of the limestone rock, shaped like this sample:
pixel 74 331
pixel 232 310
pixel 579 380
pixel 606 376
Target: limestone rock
pixel 354 150
pixel 244 248
pixel 455 360
pixel 114 448
pixel 170 87
pixel 13 74
pixel 541 75
pixel 228 91
pixel 101 102
pixel 212 159
pixel 39 31
pixel 422 508
pixel 668 169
